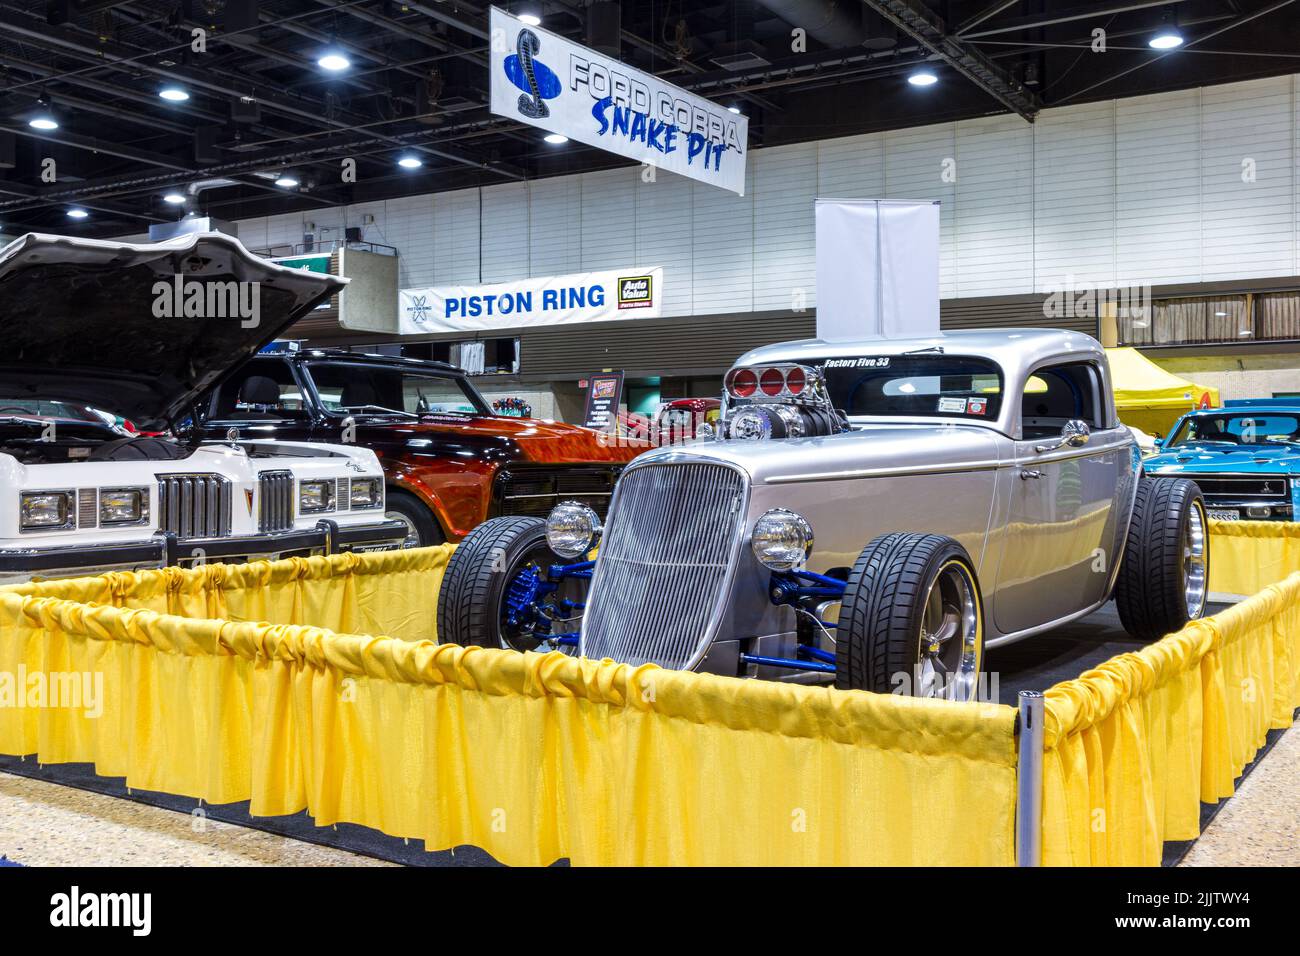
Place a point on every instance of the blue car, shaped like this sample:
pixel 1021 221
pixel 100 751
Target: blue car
pixel 1245 457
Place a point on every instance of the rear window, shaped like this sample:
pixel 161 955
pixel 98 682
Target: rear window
pixel 914 386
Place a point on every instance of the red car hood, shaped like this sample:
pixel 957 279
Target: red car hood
pixel 541 441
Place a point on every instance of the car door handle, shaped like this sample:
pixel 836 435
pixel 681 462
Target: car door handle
pixel 1027 473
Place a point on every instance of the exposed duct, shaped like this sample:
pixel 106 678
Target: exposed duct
pixel 837 23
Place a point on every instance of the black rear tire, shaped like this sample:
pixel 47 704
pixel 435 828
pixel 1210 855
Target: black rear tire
pixel 471 602
pixel 405 507
pixel 884 632
pixel 1159 589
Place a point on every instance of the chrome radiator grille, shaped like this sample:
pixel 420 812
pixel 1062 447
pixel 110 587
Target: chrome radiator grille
pixel 194 506
pixel 275 500
pixel 664 564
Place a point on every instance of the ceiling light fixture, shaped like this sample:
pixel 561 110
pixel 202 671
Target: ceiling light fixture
pixel 410 162
pixel 923 78
pixel 556 139
pixel 43 118
pixel 174 94
pixel 734 109
pixel 286 181
pixel 77 214
pixel 1167 39
pixel 334 61
pixel 532 19
pixel 174 198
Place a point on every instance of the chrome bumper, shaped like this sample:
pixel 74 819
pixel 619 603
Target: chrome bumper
pixel 165 549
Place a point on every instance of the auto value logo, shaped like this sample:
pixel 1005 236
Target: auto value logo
pixel 635 292
pixel 535 78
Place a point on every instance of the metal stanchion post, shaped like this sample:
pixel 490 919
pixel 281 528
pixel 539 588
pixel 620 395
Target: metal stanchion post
pixel 1029 781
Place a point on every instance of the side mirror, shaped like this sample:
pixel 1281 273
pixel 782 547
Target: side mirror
pixel 1074 434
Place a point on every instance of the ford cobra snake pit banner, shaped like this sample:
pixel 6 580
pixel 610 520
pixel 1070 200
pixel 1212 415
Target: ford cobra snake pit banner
pixel 544 80
pixel 550 300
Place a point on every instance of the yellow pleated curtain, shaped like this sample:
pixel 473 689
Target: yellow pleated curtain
pixel 266 682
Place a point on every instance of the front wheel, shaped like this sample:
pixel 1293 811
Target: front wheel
pixel 912 619
pixel 498 590
pixel 422 530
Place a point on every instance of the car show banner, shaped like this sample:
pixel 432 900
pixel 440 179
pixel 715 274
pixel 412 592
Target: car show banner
pixel 604 392
pixel 550 300
pixel 544 80
pixel 877 268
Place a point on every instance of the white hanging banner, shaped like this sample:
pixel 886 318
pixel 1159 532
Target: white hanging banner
pixel 877 269
pixel 551 300
pixel 544 80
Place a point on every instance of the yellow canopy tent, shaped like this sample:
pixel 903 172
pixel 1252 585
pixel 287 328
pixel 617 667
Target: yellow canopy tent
pixel 1148 397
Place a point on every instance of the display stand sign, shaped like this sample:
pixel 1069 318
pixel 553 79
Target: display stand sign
pixel 314 262
pixel 604 392
pixel 553 300
pixel 877 269
pixel 544 80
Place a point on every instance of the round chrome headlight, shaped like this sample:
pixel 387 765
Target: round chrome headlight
pixel 572 529
pixel 782 540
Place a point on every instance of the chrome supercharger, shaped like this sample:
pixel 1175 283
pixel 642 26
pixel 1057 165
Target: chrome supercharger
pixel 777 401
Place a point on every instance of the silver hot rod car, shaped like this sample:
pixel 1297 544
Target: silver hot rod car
pixel 875 513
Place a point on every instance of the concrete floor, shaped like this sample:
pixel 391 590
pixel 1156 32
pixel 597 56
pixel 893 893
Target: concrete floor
pixel 46 824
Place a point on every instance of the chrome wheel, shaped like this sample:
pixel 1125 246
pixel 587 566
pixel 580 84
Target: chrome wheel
pixel 1195 561
pixel 951 638
pixel 412 539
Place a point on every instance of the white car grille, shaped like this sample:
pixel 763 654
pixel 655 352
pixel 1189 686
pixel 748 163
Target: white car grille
pixel 672 538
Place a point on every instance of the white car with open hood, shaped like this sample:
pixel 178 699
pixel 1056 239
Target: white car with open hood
pixel 92 325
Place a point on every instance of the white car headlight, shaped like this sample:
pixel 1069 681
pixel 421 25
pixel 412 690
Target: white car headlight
pixel 367 493
pixel 45 510
pixel 572 529
pixel 315 496
pixel 781 540
pixel 123 505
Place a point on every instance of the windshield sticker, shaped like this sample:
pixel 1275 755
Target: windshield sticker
pixel 977 406
pixel 865 361
pixel 949 405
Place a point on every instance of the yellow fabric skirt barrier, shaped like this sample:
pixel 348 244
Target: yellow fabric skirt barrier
pixel 531 757
pixel 1134 746
pixel 390 592
pixel 1246 556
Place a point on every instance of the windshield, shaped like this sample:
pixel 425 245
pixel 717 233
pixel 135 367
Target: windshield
pixel 924 386
pixel 1242 429
pixel 51 408
pixel 346 389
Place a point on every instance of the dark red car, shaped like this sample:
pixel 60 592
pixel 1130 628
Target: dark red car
pixel 450 462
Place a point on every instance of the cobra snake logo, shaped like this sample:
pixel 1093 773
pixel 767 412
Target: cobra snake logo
pixel 531 103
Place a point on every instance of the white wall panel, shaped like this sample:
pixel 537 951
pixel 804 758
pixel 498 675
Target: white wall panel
pixel 1158 189
pixel 722 245
pixel 1143 190
pixel 555 226
pixel 663 237
pixel 914 169
pixel 784 186
pixel 504 249
pixel 1248 227
pixel 1074 196
pixel 608 235
pixel 455 237
pixel 993 222
pixel 852 167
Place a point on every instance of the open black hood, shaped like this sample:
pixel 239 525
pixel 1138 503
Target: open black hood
pixel 107 324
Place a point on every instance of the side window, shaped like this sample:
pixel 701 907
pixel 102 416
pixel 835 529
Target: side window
pixel 1055 394
pixel 260 391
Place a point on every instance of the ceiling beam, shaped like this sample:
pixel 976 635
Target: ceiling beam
pixel 918 22
pixel 1094 12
